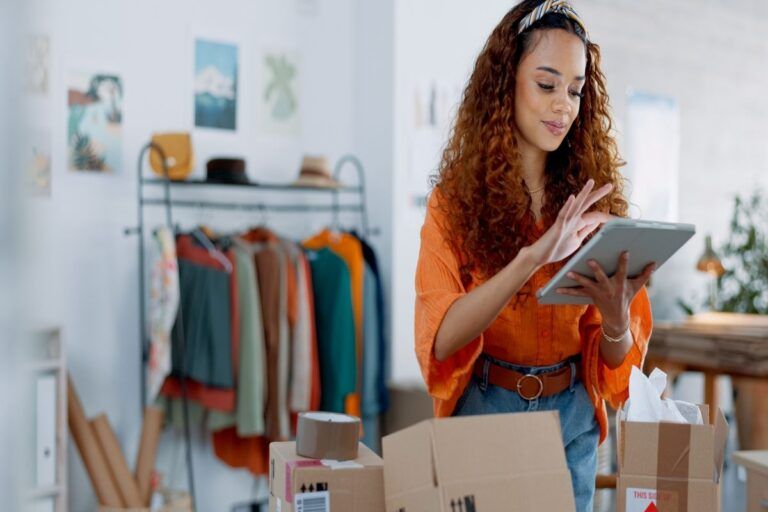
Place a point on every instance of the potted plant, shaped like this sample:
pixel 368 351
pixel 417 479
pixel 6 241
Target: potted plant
pixel 742 288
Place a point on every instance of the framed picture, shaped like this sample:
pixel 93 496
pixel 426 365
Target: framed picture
pixel 94 121
pixel 38 62
pixel 215 84
pixel 279 95
pixel 38 161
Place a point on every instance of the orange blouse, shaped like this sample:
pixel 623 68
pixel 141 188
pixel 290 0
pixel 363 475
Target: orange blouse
pixel 525 333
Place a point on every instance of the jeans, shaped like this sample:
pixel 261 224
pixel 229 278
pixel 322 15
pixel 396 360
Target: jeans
pixel 581 432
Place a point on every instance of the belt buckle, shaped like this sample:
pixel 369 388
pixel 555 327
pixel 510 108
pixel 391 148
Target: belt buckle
pixel 520 386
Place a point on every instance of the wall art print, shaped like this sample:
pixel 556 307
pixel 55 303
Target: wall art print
pixel 216 74
pixel 95 122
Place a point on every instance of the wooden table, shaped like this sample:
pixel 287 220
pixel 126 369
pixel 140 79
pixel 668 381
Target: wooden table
pixel 756 463
pixel 716 344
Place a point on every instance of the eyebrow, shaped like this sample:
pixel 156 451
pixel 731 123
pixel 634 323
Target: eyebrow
pixel 557 73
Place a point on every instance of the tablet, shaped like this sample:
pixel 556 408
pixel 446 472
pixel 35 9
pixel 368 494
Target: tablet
pixel 646 241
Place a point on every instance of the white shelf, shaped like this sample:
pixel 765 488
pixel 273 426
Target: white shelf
pixel 47 357
pixel 44 366
pixel 44 492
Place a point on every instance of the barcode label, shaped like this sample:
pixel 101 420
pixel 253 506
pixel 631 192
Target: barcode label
pixel 313 502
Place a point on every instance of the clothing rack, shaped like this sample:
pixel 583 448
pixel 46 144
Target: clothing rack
pixel 168 203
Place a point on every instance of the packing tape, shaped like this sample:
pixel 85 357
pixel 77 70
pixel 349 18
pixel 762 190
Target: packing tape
pixel 672 466
pixel 327 435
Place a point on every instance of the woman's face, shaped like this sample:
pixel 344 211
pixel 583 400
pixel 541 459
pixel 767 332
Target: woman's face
pixel 549 81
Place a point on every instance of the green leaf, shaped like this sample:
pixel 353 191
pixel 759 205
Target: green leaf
pixel 685 307
pixel 745 257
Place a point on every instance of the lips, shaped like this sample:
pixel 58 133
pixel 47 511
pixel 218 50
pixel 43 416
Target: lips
pixel 555 127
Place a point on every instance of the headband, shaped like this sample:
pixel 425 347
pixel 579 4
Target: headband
pixel 558 6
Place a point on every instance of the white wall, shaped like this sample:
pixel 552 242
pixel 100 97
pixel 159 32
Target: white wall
pixel 374 126
pixel 86 269
pixel 14 403
pixel 713 59
pixel 712 56
pixel 434 39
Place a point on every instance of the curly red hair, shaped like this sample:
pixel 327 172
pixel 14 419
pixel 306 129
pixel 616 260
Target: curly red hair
pixel 483 196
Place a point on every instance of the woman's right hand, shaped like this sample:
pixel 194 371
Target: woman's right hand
pixel 573 224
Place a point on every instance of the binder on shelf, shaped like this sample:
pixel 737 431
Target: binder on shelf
pixel 45 446
pixel 44 505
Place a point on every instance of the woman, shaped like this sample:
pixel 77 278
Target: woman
pixel 530 171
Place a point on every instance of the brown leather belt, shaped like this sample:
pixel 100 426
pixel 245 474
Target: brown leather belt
pixel 529 387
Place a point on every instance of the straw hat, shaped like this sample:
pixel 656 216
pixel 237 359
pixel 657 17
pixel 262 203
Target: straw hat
pixel 315 172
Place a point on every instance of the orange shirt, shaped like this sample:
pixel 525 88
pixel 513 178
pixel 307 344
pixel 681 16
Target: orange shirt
pixel 526 333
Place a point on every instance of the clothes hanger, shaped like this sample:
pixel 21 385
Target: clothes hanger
pixel 199 235
pixel 264 220
pixel 334 229
pixel 208 232
pixel 259 231
pixel 204 235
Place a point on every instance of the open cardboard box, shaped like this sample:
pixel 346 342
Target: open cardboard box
pixel 500 462
pixel 674 467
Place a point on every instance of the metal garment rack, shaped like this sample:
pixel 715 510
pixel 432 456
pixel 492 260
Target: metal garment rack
pixel 273 205
pixel 335 207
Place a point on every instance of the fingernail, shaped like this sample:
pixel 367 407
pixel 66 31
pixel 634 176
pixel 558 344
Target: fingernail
pixel 571 275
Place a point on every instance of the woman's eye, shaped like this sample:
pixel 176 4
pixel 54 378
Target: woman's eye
pixel 549 87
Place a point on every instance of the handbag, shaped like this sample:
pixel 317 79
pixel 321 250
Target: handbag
pixel 179 157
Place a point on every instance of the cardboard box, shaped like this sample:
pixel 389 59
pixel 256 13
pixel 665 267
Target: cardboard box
pixel 500 462
pixel 670 467
pixel 321 486
pixel 756 463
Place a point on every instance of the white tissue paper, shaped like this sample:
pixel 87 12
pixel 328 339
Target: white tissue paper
pixel 645 402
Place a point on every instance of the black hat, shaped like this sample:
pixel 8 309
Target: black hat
pixel 226 170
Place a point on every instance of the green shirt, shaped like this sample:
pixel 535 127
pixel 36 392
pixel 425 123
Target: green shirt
pixel 335 324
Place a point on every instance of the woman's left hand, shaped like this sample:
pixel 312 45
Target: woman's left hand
pixel 611 295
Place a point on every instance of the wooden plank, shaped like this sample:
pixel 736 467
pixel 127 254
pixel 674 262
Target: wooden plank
pixel 710 395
